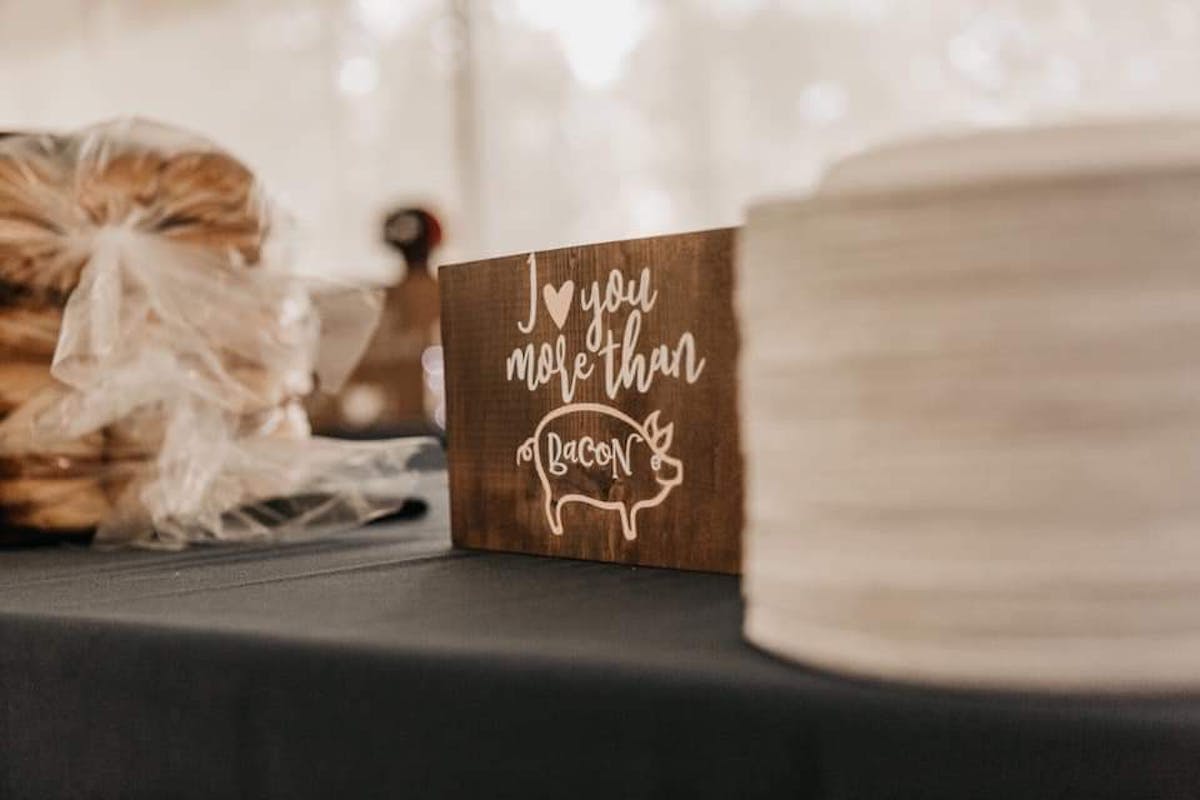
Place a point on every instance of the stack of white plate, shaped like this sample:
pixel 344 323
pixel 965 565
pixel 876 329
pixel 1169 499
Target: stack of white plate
pixel 971 396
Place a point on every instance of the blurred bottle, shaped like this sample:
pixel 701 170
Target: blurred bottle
pixel 397 389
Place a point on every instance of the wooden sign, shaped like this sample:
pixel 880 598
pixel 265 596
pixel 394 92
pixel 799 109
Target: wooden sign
pixel 591 403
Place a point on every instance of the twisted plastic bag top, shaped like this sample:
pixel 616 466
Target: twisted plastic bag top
pixel 156 350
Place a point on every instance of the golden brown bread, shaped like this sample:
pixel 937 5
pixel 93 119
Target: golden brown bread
pixel 50 207
pixel 53 504
pixel 119 188
pixel 26 173
pixel 28 332
pixel 55 196
pixel 209 199
pixel 57 493
pixel 36 211
pixel 209 185
pixel 20 381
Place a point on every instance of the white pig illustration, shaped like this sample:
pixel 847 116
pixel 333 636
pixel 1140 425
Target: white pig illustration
pixel 597 455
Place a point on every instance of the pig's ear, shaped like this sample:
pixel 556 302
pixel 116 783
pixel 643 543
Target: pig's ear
pixel 651 425
pixel 662 439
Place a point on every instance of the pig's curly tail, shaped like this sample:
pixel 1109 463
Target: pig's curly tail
pixel 525 451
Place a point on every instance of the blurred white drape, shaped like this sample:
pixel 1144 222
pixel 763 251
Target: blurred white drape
pixel 531 123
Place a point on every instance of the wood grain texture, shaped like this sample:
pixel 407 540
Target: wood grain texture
pixel 503 435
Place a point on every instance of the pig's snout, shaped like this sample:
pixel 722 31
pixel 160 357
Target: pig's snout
pixel 668 470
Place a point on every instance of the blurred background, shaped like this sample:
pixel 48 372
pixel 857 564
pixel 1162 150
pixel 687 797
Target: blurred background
pixel 531 124
pixel 535 123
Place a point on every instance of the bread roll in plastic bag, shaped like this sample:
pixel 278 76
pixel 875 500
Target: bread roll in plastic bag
pixel 154 349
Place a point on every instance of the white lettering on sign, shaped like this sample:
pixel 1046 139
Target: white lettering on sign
pixel 588 453
pixel 527 327
pixel 637 294
pixel 539 366
pixel 591 453
pixel 625 368
pixel 626 365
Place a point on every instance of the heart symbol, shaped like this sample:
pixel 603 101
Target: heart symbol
pixel 558 301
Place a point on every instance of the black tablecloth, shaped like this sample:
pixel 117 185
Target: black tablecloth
pixel 381 663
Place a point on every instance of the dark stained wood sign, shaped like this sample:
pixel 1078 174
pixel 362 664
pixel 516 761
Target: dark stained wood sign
pixel 591 402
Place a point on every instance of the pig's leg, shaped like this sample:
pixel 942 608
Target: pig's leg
pixel 627 524
pixel 554 515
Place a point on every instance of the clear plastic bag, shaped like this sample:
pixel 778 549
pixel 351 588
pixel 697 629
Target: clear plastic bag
pixel 168 408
